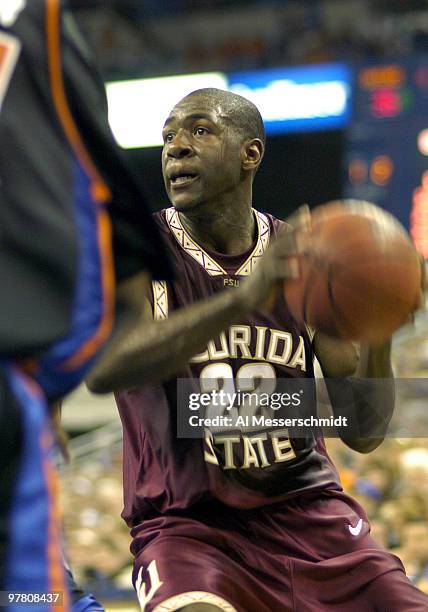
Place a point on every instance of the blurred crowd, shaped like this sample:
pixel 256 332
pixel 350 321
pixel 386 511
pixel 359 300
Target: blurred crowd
pixel 139 39
pixel 97 539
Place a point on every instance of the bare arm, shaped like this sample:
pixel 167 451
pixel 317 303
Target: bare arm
pixel 360 384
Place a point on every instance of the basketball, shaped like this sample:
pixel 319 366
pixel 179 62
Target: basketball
pixel 360 277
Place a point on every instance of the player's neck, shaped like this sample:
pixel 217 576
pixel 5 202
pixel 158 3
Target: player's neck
pixel 229 230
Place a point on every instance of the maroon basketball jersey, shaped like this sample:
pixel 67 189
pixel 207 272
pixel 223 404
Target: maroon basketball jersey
pixel 163 472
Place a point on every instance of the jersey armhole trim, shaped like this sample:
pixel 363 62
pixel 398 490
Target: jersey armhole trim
pixel 160 300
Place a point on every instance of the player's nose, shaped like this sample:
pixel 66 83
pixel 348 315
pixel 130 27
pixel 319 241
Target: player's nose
pixel 180 147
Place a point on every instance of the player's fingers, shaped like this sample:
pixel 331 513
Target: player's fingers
pixel 290 268
pixel 283 267
pixel 299 224
pixel 300 218
pixel 293 241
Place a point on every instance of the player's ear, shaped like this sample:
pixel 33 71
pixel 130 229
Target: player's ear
pixel 252 154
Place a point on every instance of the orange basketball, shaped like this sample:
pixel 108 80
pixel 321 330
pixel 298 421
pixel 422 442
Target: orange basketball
pixel 361 276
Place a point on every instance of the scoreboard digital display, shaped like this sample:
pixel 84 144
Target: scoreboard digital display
pixel 387 142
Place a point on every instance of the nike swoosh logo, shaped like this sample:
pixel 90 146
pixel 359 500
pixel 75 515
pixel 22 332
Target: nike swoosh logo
pixel 356 530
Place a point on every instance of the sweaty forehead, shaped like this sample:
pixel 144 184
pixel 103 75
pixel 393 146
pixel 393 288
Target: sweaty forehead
pixel 197 106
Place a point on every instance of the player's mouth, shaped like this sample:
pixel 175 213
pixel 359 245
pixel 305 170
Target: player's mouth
pixel 182 180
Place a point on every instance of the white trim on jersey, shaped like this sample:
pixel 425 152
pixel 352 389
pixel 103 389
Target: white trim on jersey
pixel 185 599
pixel 262 244
pixel 190 246
pixel 206 261
pixel 160 300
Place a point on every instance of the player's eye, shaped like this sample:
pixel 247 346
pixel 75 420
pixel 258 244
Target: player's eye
pixel 201 131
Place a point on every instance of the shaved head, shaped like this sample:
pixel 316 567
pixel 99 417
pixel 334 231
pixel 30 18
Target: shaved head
pixel 213 146
pixel 244 116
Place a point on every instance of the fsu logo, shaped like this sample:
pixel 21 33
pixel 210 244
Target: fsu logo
pixel 9 11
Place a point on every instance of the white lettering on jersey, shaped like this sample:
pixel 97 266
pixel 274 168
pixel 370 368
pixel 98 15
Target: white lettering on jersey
pixel 140 586
pixel 10 10
pixel 279 347
pixel 254 449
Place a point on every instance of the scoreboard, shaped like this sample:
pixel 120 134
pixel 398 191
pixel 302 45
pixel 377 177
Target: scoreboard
pixel 386 158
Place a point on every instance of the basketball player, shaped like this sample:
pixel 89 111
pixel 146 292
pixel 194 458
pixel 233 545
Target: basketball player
pixel 64 193
pixel 237 522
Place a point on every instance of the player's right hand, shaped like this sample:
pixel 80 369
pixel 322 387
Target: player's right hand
pixel 280 262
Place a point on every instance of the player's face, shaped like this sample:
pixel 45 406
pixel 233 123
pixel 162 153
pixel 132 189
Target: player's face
pixel 201 157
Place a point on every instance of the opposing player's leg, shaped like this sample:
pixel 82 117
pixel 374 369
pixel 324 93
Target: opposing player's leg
pixel 80 600
pixel 32 557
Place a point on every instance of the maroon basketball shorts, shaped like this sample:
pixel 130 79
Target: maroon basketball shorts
pixel 311 554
